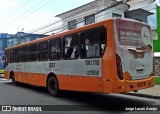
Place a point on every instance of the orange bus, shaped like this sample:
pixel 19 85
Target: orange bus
pixel 112 56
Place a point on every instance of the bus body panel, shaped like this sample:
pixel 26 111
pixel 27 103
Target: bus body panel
pixel 108 60
pixel 132 85
pixel 138 69
pixel 7 75
pixel 135 47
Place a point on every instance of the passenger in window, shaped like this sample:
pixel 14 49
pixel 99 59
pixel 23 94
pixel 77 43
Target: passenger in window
pixel 96 50
pixel 69 52
pixel 74 53
pixel 87 41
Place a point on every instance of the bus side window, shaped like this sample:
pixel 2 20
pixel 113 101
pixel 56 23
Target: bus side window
pixel 11 59
pixel 70 44
pixel 17 55
pixel 32 52
pixel 43 51
pixel 92 43
pixel 55 49
pixel 24 54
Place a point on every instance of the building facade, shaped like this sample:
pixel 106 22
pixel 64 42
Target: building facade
pixel 91 13
pixel 3 40
pixel 8 40
pixel 30 37
pixel 87 14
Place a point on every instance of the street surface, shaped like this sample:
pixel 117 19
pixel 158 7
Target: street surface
pixel 23 94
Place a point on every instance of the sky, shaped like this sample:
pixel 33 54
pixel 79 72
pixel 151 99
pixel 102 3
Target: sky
pixel 27 15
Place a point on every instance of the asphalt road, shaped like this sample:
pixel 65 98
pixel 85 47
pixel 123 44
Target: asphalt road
pixel 92 103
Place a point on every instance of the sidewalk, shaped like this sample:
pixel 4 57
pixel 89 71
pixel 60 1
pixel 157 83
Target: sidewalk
pixel 153 92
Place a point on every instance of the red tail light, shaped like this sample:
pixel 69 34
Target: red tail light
pixel 119 67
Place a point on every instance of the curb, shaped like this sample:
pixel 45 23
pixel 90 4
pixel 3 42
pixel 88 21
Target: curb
pixel 143 95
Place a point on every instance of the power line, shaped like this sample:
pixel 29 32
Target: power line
pixel 88 8
pixel 6 18
pixel 24 15
pixel 65 26
pixel 109 7
pixel 62 28
pixel 48 25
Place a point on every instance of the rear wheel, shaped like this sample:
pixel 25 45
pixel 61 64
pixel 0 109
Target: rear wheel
pixel 52 86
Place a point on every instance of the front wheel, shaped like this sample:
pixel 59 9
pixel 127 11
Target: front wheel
pixel 52 86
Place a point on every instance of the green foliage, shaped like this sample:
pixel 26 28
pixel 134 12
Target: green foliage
pixel 158 80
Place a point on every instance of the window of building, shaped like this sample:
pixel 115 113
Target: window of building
pixel 89 19
pixel 43 51
pixel 55 49
pixel 72 24
pixel 15 41
pixel 116 15
pixel 24 54
pixel 93 42
pixel 33 52
pixel 70 44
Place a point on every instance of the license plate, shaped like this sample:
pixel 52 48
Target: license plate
pixel 141 84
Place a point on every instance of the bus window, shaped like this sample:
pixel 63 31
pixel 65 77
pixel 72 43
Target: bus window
pixel 55 49
pixel 24 54
pixel 43 51
pixel 70 44
pixel 17 55
pixel 33 52
pixel 11 59
pixel 93 43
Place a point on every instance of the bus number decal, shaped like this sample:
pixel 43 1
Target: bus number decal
pixel 52 65
pixel 92 72
pixel 92 62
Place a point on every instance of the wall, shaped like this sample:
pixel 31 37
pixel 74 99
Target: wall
pixel 156 43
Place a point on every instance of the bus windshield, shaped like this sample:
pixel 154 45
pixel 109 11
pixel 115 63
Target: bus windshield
pixel 134 46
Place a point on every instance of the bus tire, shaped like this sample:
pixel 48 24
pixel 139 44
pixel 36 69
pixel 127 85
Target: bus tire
pixel 13 80
pixel 53 86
